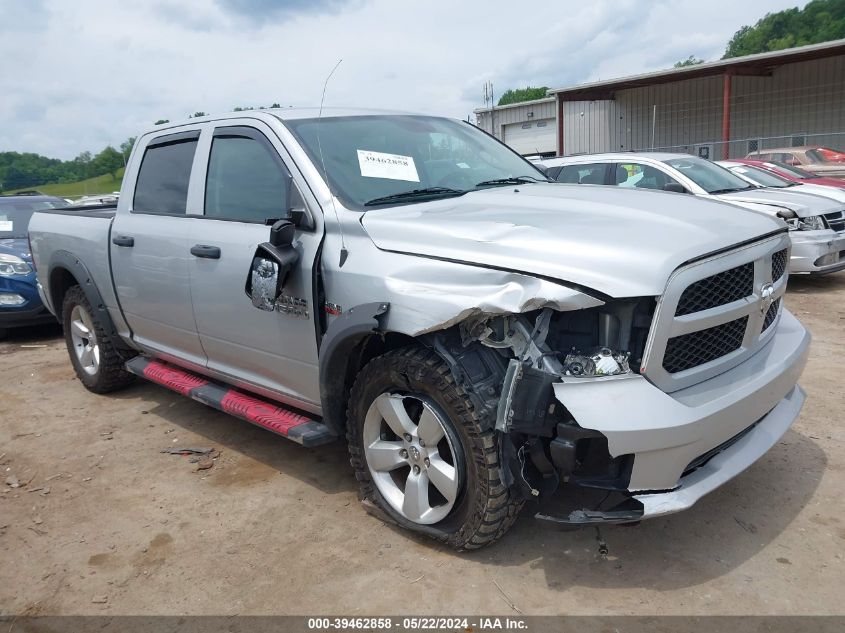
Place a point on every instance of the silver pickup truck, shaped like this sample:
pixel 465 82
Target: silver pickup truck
pixel 479 336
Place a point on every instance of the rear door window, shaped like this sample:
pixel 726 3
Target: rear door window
pixel 587 174
pixel 162 186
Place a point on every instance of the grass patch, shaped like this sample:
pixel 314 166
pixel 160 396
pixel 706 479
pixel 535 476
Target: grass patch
pixel 89 187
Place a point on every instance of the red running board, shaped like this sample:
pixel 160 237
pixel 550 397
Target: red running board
pixel 272 416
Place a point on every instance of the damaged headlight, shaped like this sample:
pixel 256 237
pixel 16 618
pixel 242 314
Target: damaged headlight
pixel 810 223
pixel 602 362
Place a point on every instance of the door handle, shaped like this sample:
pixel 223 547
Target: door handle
pixel 123 240
pixel 205 251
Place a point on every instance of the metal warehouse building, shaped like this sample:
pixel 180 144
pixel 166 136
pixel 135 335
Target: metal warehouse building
pixel 722 109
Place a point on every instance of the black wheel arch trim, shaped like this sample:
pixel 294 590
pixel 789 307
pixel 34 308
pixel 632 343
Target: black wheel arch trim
pixel 70 262
pixel 341 338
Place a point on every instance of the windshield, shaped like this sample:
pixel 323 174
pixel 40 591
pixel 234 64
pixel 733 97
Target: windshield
pixel 762 177
pixel 15 214
pixel 368 158
pixel 790 169
pixel 710 177
pixel 816 156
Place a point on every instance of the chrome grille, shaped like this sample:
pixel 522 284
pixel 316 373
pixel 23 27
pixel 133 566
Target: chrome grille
pixel 697 348
pixel 717 290
pixel 771 313
pixel 779 261
pixel 836 221
pixel 716 312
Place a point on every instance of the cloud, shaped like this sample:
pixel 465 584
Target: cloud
pixel 277 10
pixel 79 75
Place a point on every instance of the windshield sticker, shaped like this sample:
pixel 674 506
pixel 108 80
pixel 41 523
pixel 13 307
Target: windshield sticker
pixel 463 165
pixel 391 166
pixel 6 225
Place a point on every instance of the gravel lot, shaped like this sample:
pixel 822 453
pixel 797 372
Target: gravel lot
pixel 274 528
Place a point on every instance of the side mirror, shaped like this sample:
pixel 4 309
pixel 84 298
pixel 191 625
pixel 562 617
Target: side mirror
pixel 271 266
pixel 674 187
pixel 263 286
pixel 282 233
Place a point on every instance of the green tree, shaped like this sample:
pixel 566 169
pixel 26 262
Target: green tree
pixel 108 162
pixel 689 61
pixel 162 121
pixel 522 94
pixel 819 21
pixel 197 115
pixel 126 147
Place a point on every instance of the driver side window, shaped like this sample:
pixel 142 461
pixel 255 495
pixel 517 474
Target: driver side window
pixel 638 176
pixel 246 180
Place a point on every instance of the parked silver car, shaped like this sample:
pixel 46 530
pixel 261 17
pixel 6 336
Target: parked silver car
pixel 478 336
pixel 816 223
pixel 765 178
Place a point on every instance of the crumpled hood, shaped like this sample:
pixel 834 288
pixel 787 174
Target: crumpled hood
pixel 833 193
pixel 16 246
pixel 620 242
pixel 803 204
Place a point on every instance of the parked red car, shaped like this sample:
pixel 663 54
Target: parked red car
pixel 831 155
pixel 795 174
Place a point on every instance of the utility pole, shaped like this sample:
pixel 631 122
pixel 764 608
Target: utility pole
pixel 490 98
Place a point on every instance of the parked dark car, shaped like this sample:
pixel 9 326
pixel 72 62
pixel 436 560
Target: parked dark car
pixel 20 304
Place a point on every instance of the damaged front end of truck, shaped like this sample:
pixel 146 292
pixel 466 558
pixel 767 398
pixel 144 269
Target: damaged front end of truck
pixel 651 401
pixel 509 363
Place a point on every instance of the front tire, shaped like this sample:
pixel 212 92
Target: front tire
pixel 421 454
pixel 97 362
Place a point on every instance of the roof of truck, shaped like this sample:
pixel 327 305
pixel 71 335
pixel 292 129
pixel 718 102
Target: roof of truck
pixel 314 112
pixel 287 114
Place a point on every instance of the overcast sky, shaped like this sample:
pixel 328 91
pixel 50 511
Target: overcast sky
pixel 79 74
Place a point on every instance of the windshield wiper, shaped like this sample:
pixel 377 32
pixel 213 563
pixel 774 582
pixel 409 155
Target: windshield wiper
pixel 732 190
pixel 427 192
pixel 512 180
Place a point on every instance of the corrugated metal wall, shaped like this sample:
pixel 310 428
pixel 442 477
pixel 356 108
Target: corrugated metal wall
pixel 590 126
pixel 518 114
pixel 799 103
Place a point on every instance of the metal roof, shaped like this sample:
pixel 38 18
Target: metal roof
pixel 518 104
pixel 760 64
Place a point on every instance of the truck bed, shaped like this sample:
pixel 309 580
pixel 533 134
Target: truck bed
pixel 83 233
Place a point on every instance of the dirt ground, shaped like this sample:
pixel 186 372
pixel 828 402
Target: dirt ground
pixel 103 522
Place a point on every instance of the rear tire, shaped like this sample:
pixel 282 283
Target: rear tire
pixel 95 359
pixel 411 393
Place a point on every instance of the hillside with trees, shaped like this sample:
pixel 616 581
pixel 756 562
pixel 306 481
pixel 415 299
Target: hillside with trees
pixel 27 170
pixel 819 21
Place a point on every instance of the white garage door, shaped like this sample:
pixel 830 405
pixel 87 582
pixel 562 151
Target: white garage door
pixel 532 137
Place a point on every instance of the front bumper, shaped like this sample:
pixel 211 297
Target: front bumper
pixel 21 317
pixel 667 433
pixel 31 312
pixel 817 252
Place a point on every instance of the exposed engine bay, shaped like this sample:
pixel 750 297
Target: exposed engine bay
pixel 508 364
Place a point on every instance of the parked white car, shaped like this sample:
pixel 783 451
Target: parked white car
pixel 817 223
pixel 98 200
pixel 764 178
